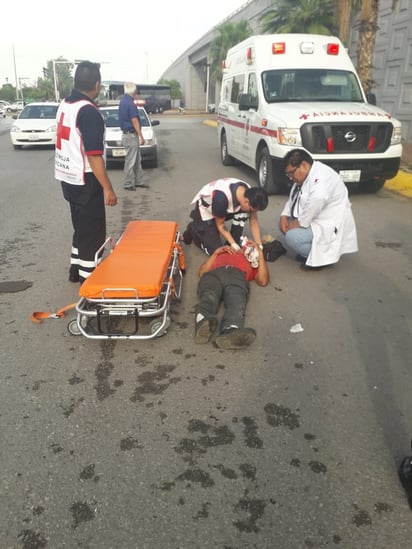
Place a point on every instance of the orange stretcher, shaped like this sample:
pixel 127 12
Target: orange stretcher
pixel 129 293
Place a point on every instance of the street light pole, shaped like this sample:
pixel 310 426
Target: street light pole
pixel 21 87
pixel 207 85
pixel 55 62
pixel 55 81
pixel 15 73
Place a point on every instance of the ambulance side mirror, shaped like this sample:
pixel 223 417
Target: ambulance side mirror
pixel 371 98
pixel 246 102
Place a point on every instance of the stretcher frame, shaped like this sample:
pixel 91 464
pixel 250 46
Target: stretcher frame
pixel 122 306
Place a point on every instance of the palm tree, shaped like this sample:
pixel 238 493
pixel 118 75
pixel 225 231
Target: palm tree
pixel 368 27
pixel 343 15
pixel 229 35
pixel 306 16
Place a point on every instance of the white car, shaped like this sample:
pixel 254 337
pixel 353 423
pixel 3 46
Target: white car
pixel 2 112
pixel 5 105
pixel 35 125
pixel 113 139
pixel 15 106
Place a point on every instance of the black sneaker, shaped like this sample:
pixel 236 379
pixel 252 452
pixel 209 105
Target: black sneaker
pixel 205 329
pixel 236 338
pixel 73 276
pixel 188 235
pixel 405 476
pixel 301 258
pixel 273 250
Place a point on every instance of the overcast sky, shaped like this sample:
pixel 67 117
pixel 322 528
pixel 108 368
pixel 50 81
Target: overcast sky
pixel 134 40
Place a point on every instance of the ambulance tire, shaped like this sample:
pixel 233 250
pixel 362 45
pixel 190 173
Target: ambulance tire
pixel 227 160
pixel 265 172
pixel 372 186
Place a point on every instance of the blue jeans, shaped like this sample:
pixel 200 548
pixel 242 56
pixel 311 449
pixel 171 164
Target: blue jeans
pixel 299 240
pixel 133 172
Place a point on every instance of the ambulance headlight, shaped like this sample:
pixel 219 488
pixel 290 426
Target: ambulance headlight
pixel 396 136
pixel 289 136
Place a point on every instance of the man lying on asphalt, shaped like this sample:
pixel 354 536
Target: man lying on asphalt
pixel 225 276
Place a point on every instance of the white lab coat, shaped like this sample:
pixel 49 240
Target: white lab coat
pixel 324 205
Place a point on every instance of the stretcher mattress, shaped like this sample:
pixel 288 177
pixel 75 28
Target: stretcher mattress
pixel 139 261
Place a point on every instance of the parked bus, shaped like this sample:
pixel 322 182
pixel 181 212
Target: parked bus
pixel 153 97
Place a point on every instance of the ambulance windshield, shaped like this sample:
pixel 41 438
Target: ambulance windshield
pixel 310 85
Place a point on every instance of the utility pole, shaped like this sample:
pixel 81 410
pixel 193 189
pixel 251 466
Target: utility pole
pixel 207 84
pixel 21 87
pixel 55 62
pixel 15 73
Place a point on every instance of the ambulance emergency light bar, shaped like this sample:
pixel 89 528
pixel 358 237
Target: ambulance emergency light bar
pixel 332 48
pixel 305 47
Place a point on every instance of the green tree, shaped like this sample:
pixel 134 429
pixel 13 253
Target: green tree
pixel 8 92
pixel 45 89
pixel 229 35
pixel 305 16
pixel 175 88
pixel 64 77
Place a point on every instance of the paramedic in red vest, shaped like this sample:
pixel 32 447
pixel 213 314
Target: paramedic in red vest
pixel 80 166
pixel 225 277
pixel 220 201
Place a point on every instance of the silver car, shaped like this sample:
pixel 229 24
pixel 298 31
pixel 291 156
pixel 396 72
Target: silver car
pixel 113 140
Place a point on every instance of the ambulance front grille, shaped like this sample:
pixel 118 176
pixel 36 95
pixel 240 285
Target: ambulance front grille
pixel 346 138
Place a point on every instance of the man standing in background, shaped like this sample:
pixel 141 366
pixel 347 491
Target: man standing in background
pixel 132 138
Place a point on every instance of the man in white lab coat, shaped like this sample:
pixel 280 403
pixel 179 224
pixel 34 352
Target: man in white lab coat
pixel 317 220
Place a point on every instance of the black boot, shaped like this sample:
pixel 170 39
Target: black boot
pixel 405 476
pixel 188 233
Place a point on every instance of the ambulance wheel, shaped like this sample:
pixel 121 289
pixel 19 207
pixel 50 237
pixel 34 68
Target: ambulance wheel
pixel 265 172
pixel 227 160
pixel 155 325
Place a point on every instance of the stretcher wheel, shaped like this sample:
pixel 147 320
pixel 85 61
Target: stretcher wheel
pixel 155 324
pixel 73 328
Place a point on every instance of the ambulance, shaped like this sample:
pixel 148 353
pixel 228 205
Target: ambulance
pixel 285 91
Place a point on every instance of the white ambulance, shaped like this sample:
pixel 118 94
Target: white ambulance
pixel 285 91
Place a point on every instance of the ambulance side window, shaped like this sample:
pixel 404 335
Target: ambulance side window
pixel 227 89
pixel 252 89
pixel 237 87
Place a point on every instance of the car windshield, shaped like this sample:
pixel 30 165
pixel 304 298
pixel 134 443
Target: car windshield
pixel 310 85
pixel 47 112
pixel 111 118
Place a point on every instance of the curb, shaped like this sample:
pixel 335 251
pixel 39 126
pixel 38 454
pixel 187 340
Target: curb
pixel 401 183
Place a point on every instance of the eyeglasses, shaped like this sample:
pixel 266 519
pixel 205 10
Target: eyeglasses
pixel 291 173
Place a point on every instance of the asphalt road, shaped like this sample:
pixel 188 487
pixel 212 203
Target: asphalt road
pixel 163 444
